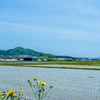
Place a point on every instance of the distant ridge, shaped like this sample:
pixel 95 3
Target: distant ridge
pixel 17 51
pixel 21 51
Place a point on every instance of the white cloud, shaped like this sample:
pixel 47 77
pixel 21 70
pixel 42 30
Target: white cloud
pixel 55 30
pixel 61 33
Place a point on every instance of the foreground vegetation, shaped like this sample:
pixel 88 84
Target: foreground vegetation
pixel 37 89
pixel 12 95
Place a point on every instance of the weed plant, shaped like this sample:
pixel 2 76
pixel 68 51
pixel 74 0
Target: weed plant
pixel 38 89
pixel 11 95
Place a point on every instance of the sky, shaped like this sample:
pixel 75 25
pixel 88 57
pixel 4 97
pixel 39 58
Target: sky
pixel 59 27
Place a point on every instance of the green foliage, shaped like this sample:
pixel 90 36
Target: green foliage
pixel 51 59
pixel 20 51
pixel 51 56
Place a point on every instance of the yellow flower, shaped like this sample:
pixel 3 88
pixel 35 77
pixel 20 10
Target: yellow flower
pixel 21 87
pixel 2 96
pixel 14 95
pixel 3 93
pixel 20 93
pixel 12 91
pixel 23 94
pixel 8 93
pixel 37 81
pixel 20 90
pixel 19 97
pixel 34 78
pixel 43 83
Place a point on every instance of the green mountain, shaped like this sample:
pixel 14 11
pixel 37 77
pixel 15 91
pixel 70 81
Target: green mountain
pixel 21 51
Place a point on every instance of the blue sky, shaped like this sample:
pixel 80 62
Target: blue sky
pixel 60 27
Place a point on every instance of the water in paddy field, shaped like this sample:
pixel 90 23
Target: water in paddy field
pixel 68 84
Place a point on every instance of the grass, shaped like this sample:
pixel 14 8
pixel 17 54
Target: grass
pixel 33 64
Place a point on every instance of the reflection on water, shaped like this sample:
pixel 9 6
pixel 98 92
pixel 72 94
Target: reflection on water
pixel 69 84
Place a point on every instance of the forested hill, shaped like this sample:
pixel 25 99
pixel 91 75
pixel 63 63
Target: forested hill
pixel 21 51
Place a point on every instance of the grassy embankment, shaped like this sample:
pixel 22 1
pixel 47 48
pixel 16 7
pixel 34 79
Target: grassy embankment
pixel 19 63
pixel 34 64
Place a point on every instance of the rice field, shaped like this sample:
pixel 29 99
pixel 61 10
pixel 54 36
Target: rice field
pixel 68 84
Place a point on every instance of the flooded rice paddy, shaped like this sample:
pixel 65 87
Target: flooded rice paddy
pixel 68 84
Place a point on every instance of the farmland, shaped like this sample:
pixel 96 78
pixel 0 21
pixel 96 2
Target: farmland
pixel 56 64
pixel 68 84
